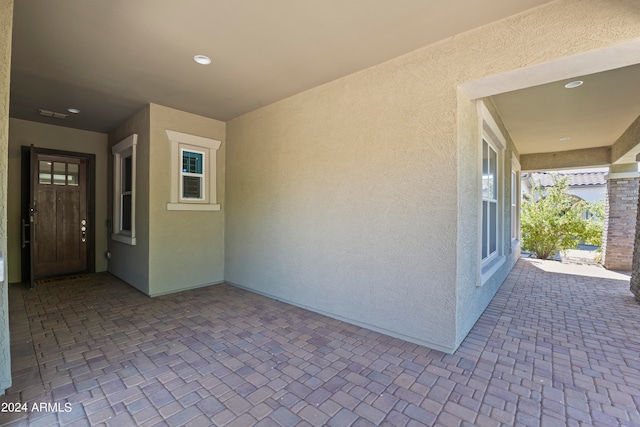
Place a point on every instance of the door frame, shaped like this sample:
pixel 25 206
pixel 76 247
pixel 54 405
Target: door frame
pixel 25 201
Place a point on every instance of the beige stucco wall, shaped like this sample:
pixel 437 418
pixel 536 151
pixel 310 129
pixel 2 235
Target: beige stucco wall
pixel 131 263
pixel 6 22
pixel 25 133
pixel 186 247
pixel 175 250
pixel 473 295
pixel 570 27
pixel 359 198
pixel 342 199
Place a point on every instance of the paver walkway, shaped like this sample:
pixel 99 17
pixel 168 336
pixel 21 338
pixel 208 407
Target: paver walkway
pixel 552 349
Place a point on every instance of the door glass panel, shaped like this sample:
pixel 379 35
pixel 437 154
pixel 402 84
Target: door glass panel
pixel 44 172
pixel 59 173
pixel 73 174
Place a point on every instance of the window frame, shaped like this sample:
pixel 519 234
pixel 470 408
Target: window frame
pixel 121 151
pixel 202 176
pixel 181 142
pixel 515 202
pixel 493 199
pixel 489 131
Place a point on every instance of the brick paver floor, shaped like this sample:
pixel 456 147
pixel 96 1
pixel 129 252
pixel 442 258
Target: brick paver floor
pixel 552 349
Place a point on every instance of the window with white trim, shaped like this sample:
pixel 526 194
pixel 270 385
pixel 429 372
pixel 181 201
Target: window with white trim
pixel 491 196
pixel 489 200
pixel 193 172
pixel 124 190
pixel 192 184
pixel 515 225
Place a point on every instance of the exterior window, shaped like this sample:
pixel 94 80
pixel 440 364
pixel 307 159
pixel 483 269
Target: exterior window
pixel 489 200
pixel 491 205
pixel 124 190
pixel 193 173
pixel 515 226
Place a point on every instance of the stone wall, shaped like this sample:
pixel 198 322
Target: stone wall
pixel 620 223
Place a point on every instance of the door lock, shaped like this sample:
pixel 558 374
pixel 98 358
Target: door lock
pixel 83 229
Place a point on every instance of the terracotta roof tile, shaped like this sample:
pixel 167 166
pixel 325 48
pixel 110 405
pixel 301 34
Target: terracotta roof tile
pixel 576 179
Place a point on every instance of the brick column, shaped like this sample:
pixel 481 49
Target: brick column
pixel 620 219
pixel 635 271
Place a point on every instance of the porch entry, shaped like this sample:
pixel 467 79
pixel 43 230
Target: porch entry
pixel 56 236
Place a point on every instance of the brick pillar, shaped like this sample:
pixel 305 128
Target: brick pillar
pixel 635 271
pixel 620 220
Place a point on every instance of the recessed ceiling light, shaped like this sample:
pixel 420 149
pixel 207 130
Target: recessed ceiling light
pixel 573 84
pixel 73 110
pixel 566 138
pixel 202 59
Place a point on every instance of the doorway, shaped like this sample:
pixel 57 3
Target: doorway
pixel 57 213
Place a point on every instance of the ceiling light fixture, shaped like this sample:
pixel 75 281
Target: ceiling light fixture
pixel 202 59
pixel 566 138
pixel 73 110
pixel 573 84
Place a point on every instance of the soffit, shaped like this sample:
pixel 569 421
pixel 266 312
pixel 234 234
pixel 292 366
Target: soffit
pixel 596 114
pixel 110 58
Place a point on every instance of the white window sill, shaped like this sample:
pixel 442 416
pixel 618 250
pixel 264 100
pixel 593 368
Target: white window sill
pixel 515 243
pixel 490 267
pixel 124 239
pixel 193 207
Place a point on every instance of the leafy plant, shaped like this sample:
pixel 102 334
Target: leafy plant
pixel 552 220
pixel 594 223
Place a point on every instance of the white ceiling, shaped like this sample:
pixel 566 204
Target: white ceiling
pixel 595 114
pixel 110 58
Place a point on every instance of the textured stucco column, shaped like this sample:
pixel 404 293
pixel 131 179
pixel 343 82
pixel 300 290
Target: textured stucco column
pixel 6 21
pixel 620 217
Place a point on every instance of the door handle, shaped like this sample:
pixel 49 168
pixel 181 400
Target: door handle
pixel 24 233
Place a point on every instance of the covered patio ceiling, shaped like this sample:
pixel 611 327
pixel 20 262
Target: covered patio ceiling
pixel 109 59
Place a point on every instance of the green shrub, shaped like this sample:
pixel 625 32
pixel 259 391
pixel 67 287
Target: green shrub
pixel 552 220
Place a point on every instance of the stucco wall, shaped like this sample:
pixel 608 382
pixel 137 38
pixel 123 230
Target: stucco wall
pixel 186 247
pixel 345 198
pixel 590 193
pixel 25 133
pixel 473 295
pixel 570 27
pixel 342 199
pixel 6 22
pixel 131 263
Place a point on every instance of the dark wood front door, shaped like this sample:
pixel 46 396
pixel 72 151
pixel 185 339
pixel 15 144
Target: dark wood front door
pixel 60 215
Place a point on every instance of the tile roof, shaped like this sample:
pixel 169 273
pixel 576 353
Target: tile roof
pixel 576 178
